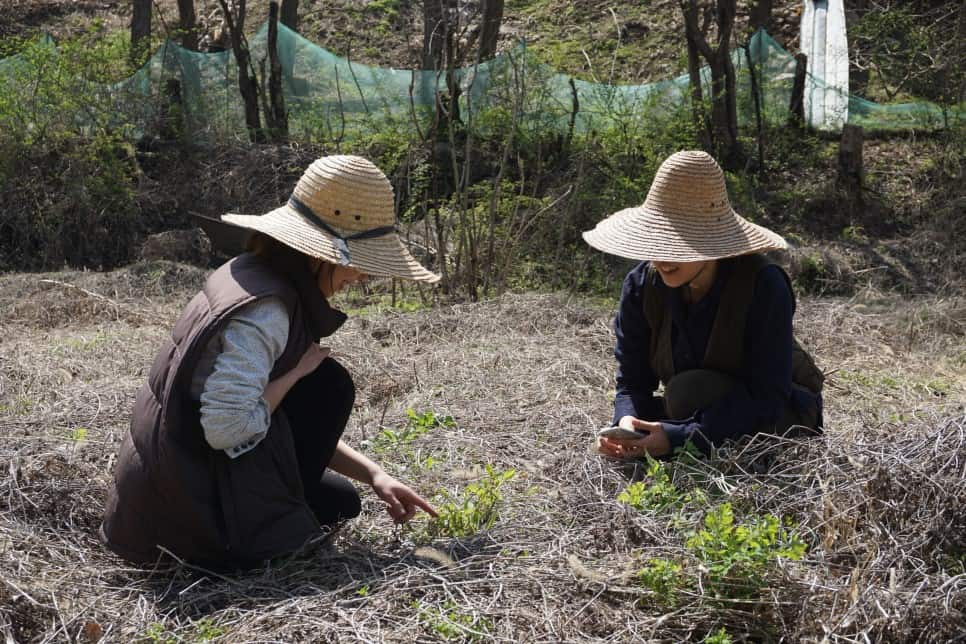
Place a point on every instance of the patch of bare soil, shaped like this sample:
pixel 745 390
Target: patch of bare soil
pixel 879 499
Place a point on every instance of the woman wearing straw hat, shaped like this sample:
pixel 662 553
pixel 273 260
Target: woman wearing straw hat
pixel 235 453
pixel 706 315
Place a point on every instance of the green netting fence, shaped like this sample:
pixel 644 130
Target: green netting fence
pixel 330 97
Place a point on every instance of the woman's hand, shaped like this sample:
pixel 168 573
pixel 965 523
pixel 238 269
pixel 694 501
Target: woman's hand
pixel 311 359
pixel 401 501
pixel 653 440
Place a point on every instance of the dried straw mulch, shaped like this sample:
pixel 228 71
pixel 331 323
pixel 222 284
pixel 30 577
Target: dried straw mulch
pixel 881 498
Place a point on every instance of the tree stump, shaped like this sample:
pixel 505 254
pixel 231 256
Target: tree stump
pixel 796 106
pixel 850 168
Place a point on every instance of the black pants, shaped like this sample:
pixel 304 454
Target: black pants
pixel 317 408
pixel 697 389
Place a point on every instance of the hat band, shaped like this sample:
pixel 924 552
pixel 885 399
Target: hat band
pixel 340 239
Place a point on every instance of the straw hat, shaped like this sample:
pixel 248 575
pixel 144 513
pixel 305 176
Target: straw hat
pixel 342 211
pixel 686 217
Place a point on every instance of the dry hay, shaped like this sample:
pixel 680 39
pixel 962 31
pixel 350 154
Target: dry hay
pixel 879 498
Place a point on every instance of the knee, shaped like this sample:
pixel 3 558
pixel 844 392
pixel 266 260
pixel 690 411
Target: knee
pixel 351 504
pixel 335 499
pixel 338 380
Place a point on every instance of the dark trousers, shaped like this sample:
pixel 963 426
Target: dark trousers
pixel 317 408
pixel 697 389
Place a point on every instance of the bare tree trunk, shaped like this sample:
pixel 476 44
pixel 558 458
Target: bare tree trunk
pixel 492 17
pixel 140 31
pixel 756 93
pixel 760 15
pixel 437 32
pixel 188 24
pixel 290 14
pixel 691 34
pixel 439 52
pixel 724 109
pixel 432 33
pixel 276 119
pixel 247 84
pixel 796 107
pixel 850 169
pixel 727 123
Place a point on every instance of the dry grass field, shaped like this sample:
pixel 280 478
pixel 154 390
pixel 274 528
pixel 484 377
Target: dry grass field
pixel 879 502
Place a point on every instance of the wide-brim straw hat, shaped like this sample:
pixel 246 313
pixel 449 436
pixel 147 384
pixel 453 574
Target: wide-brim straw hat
pixel 342 211
pixel 686 217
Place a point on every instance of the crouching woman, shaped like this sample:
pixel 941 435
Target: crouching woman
pixel 706 315
pixel 235 454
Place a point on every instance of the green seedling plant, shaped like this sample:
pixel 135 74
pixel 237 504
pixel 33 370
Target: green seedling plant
pixel 205 630
pixel 472 510
pixel 657 492
pixel 665 578
pixel 719 636
pixel 452 624
pixel 388 440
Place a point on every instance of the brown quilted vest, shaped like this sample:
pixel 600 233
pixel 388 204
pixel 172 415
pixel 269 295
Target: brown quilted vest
pixel 726 345
pixel 171 489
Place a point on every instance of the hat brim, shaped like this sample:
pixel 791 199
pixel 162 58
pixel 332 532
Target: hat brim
pixel 642 234
pixel 384 256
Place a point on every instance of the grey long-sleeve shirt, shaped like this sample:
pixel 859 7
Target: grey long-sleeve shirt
pixel 232 373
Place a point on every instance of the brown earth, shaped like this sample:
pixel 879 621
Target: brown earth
pixel 878 499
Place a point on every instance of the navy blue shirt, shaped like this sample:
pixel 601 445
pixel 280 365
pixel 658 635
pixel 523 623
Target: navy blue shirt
pixel 766 373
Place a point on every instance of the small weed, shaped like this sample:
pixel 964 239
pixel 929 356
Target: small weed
pixel 389 440
pixel 157 634
pixel 937 387
pixel 658 494
pixel 855 234
pixel 363 591
pixel 87 344
pixel 473 510
pixel 452 624
pixel 812 271
pixel 23 405
pixel 205 631
pixel 78 434
pixel 663 577
pixel 720 636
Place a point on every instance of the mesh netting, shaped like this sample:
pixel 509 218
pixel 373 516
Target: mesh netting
pixel 330 97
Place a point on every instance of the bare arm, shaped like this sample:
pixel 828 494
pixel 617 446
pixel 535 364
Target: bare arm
pixel 401 501
pixel 349 462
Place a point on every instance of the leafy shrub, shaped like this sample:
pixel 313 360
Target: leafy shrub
pixel 472 510
pixel 67 174
pixel 738 557
pixel 730 559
